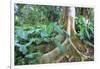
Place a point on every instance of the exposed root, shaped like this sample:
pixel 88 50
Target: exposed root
pixel 57 61
pixel 52 56
pixel 83 57
pixel 56 56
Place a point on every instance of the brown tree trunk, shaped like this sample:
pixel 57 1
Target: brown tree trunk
pixel 73 41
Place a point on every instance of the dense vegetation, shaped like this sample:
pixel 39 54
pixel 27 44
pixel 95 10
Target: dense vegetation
pixel 36 27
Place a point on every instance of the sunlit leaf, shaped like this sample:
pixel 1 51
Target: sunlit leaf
pixel 50 28
pixel 57 29
pixel 22 34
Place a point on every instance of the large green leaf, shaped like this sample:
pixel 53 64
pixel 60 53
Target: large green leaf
pixel 44 34
pixel 50 28
pixel 23 48
pixel 21 33
pixel 57 28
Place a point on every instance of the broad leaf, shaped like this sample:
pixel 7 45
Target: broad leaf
pixel 50 28
pixel 57 28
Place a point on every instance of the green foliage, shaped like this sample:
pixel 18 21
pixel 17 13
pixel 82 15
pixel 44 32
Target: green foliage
pixel 50 28
pixel 33 55
pixel 21 34
pixel 37 25
pixel 58 29
pixel 85 31
pixel 36 36
pixel 28 14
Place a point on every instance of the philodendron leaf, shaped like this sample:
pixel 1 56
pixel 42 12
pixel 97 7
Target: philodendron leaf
pixel 23 48
pixel 46 39
pixel 57 28
pixel 22 34
pixel 38 41
pixel 31 31
pixel 82 19
pixel 50 28
pixel 44 34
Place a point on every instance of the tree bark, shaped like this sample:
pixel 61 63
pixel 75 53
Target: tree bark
pixel 73 41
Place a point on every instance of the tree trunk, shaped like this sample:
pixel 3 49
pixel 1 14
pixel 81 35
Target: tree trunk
pixel 73 41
